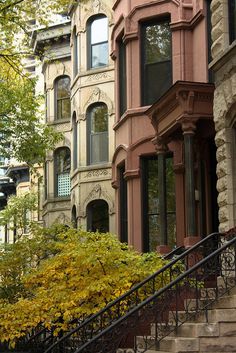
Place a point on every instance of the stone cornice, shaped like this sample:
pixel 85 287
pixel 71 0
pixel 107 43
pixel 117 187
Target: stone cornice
pixel 183 102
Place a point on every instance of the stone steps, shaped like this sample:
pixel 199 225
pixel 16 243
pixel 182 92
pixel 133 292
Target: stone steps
pixel 215 335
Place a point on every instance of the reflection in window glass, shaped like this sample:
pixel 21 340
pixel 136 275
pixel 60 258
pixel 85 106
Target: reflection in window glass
pixel 98 42
pixel 151 203
pixel 63 98
pixel 99 30
pixel 156 51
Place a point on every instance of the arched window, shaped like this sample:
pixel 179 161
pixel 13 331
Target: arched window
pixel 98 217
pixel 62 98
pixel 75 141
pixel 73 217
pixel 62 164
pixel 75 53
pixel 97 30
pixel 97 133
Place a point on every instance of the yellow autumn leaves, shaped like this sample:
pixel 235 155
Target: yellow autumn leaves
pixel 61 274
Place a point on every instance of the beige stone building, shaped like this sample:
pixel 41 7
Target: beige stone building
pixel 92 108
pixel 79 90
pixel 53 43
pixel 224 70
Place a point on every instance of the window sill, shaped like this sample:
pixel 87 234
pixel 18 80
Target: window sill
pixel 91 72
pixel 58 122
pixel 223 57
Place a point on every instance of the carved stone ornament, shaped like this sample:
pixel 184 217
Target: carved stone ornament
pixel 97 173
pixel 97 7
pixel 97 193
pixel 62 219
pixel 98 76
pixel 98 95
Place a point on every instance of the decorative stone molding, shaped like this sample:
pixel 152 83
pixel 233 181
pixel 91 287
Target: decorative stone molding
pixel 98 77
pixel 98 7
pixel 97 173
pixel 160 145
pixel 62 219
pixel 97 95
pixel 97 193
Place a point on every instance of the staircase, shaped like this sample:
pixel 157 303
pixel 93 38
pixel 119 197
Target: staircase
pixel 214 332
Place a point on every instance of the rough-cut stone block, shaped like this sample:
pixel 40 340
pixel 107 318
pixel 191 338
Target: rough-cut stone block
pixel 221 169
pixel 222 184
pixel 223 214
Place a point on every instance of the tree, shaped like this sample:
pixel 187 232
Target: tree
pixel 65 275
pixel 17 214
pixel 20 125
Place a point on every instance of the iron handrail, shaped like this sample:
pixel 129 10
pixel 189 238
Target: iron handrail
pixel 157 294
pixel 134 289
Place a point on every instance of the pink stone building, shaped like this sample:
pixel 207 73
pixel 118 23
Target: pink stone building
pixel 164 160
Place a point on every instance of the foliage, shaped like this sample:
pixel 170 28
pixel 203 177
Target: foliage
pixel 87 271
pixel 20 117
pixel 16 215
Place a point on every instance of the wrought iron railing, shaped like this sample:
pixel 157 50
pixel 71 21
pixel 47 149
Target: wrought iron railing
pixel 188 283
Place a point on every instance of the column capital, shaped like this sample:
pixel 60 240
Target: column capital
pixel 160 145
pixel 188 126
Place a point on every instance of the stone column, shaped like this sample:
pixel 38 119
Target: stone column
pixel 189 128
pixel 161 149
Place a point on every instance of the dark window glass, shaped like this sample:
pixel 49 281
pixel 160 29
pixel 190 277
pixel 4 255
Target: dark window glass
pixel 98 217
pixel 232 20
pixel 157 63
pixel 63 98
pixel 98 134
pixel 123 210
pixel 98 42
pixel 73 217
pixel 62 162
pixel 75 142
pixel 151 216
pixel 46 180
pixel 75 53
pixel 122 77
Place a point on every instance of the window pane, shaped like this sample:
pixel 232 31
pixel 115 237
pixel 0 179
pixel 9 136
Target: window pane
pixel 154 88
pixel 98 218
pixel 157 43
pixel 99 30
pixel 157 63
pixel 99 54
pixel 63 184
pixel 63 161
pixel 65 113
pixel 63 87
pixel 232 20
pixel 153 200
pixel 154 232
pixel 99 147
pixel 99 119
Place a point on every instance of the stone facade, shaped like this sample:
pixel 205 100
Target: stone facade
pixel 224 68
pixel 65 51
pixel 187 20
pixel 54 45
pixel 91 182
